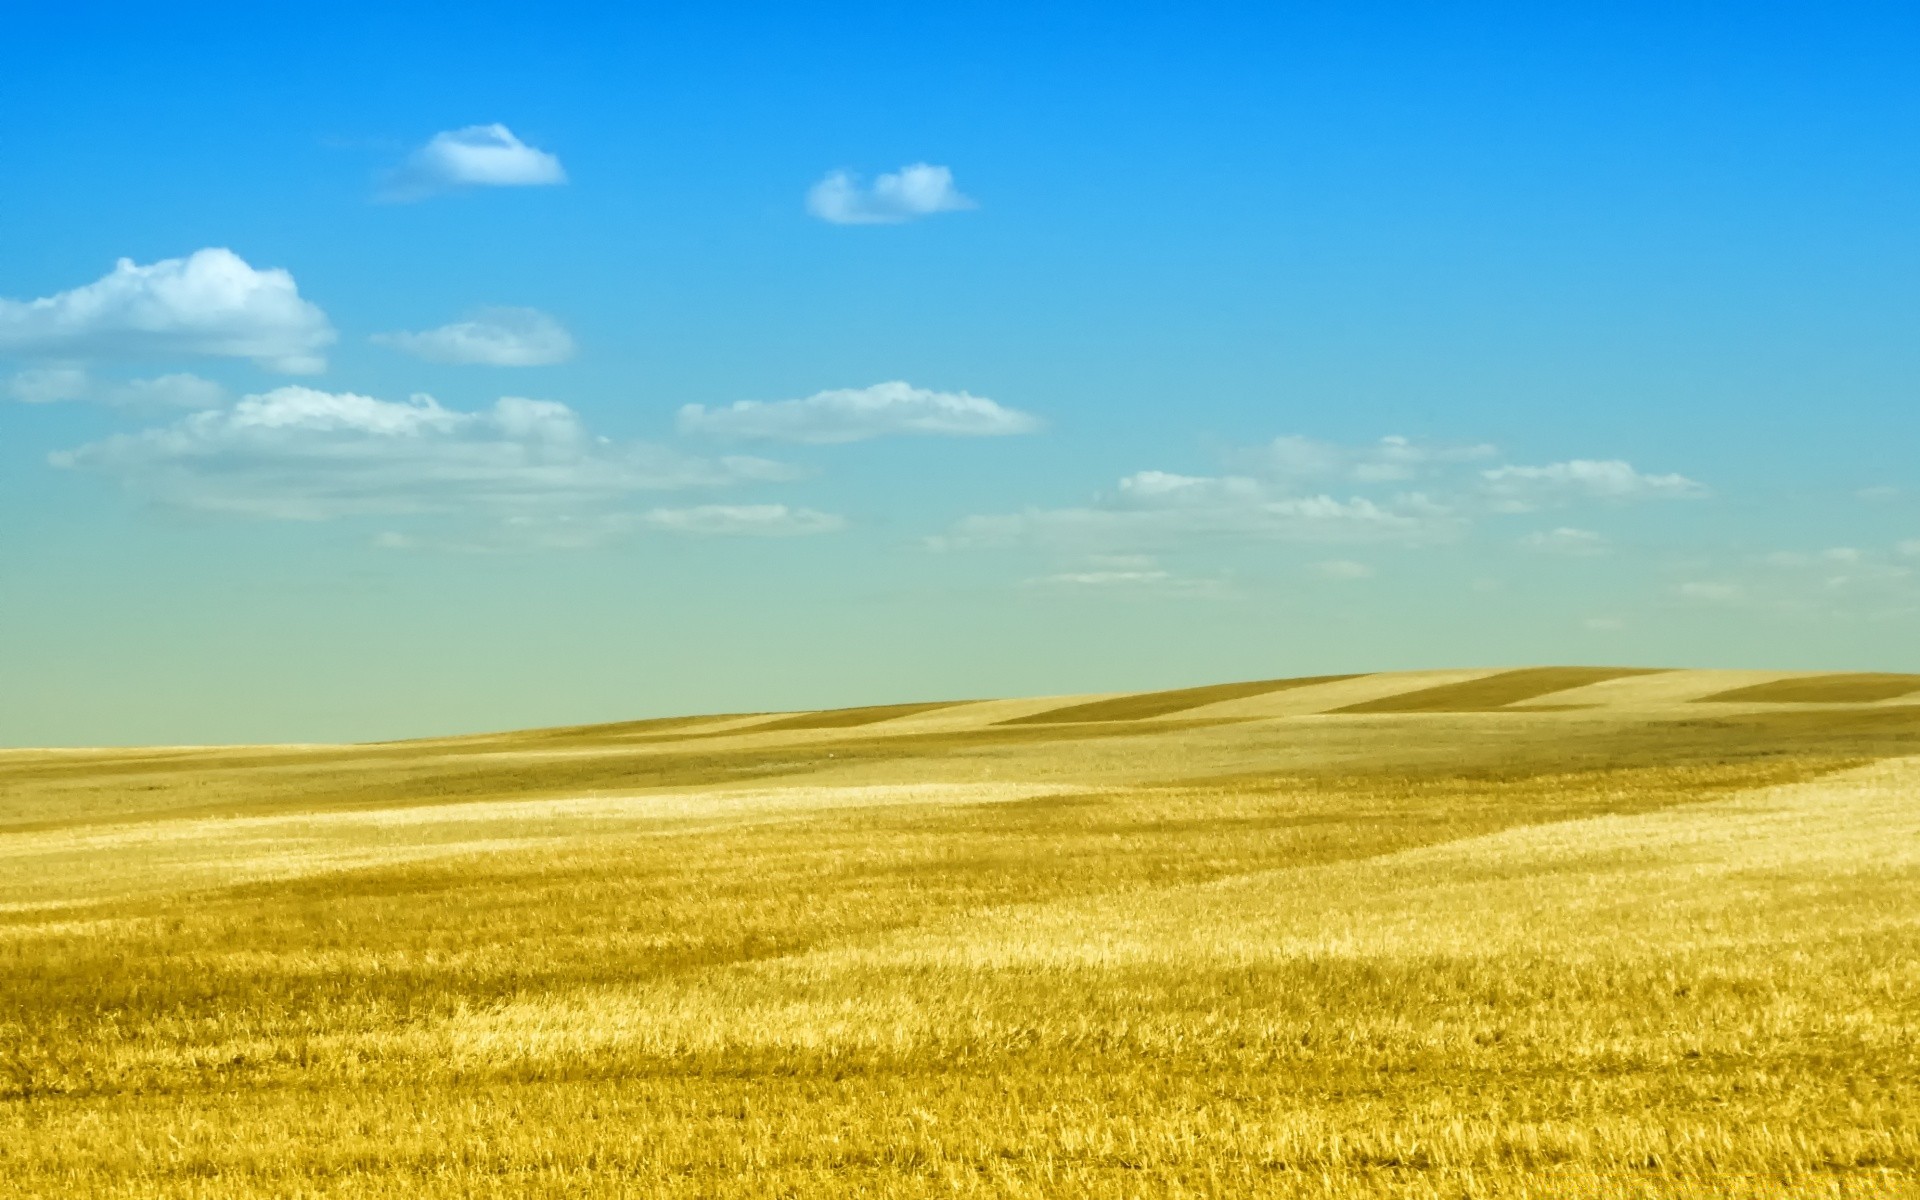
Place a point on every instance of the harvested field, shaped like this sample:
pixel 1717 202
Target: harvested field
pixel 1597 951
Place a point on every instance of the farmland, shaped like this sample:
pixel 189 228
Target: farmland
pixel 1542 932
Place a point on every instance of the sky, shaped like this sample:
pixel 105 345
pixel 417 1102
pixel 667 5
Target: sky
pixel 383 370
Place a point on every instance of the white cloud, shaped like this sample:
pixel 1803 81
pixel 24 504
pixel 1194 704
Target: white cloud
pixel 49 385
pixel 855 414
pixel 1389 460
pixel 913 192
pixel 523 532
pixel 1603 624
pixel 300 454
pixel 1342 568
pixel 209 303
pixel 1566 540
pixel 1127 574
pixel 493 337
pixel 1158 506
pixel 749 520
pixel 1878 494
pixel 477 156
pixel 1911 548
pixel 1522 489
pixel 1285 490
pixel 178 391
pixel 1714 593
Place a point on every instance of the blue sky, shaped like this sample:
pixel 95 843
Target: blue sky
pixel 1086 348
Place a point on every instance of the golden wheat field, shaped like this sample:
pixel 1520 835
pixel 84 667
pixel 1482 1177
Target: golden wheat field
pixel 1545 932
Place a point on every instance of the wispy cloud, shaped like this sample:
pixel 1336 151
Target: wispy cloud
pixel 1566 540
pixel 476 156
pixel 300 454
pixel 1392 459
pixel 1341 569
pixel 1297 489
pixel 1154 507
pixel 856 414
pixel 912 192
pixel 209 303
pixel 741 520
pixel 1523 489
pixel 54 385
pixel 1713 592
pixel 1128 574
pixel 493 337
pixel 49 385
pixel 523 532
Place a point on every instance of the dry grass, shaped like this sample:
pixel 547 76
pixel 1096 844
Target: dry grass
pixel 1426 955
pixel 847 718
pixel 1494 691
pixel 1862 688
pixel 1144 705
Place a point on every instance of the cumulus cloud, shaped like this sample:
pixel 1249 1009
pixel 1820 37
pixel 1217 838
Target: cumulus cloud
pixel 209 303
pixel 476 156
pixel 493 337
pixel 856 414
pixel 1522 489
pixel 912 192
pixel 1910 548
pixel 50 385
pixel 1566 540
pixel 296 453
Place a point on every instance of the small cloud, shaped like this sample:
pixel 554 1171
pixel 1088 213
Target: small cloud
pixel 742 520
pixel 912 192
pixel 1909 548
pixel 210 303
pixel 1714 593
pixel 493 337
pixel 1342 568
pixel 1880 494
pixel 1391 459
pixel 477 156
pixel 1523 489
pixel 856 414
pixel 1579 543
pixel 1127 573
pixel 1603 624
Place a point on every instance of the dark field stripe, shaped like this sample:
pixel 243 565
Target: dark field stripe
pixel 1157 704
pixel 1858 688
pixel 1495 691
pixel 848 718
